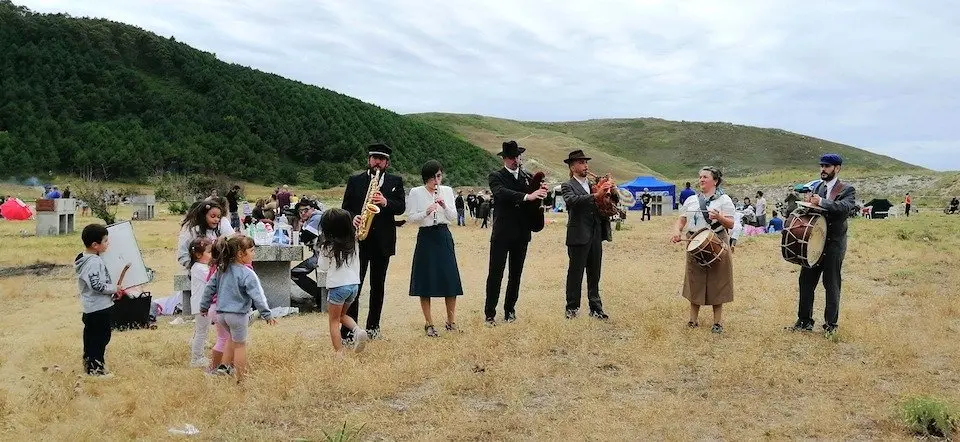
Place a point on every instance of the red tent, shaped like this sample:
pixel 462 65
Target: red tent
pixel 15 210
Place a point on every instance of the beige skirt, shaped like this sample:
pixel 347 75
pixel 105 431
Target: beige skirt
pixel 710 285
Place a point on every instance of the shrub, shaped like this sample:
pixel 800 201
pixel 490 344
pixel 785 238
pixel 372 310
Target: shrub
pixel 178 207
pixel 929 416
pixel 94 193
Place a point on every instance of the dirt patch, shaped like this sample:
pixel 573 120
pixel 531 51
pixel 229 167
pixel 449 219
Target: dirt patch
pixel 36 269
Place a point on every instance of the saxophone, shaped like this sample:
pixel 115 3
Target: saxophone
pixel 369 209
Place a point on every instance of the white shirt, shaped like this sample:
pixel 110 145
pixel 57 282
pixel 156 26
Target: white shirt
pixel 737 225
pixel 198 280
pixel 418 201
pixel 762 206
pixel 347 274
pixel 583 182
pixel 695 219
pixel 187 236
pixel 515 173
pixel 830 185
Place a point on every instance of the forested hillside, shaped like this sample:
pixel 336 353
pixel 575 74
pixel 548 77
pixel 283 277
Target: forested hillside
pixel 673 149
pixel 98 97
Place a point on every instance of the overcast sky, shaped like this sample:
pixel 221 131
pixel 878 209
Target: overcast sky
pixel 882 75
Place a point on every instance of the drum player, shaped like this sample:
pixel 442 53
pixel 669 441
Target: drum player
pixel 835 200
pixel 710 209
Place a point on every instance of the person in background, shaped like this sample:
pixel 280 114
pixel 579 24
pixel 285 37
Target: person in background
pixel 737 230
pixel 66 192
pixel 283 198
pixel 906 204
pixel 461 221
pixel 486 204
pixel 760 208
pixel 310 215
pixel 53 194
pixel 233 197
pixel 775 224
pixel 687 192
pixel 791 202
pixel 472 204
pixel 646 199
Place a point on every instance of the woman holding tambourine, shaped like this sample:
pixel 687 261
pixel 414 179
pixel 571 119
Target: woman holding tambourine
pixel 704 224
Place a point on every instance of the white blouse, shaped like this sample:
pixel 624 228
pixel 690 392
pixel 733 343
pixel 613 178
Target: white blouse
pixel 418 201
pixel 695 220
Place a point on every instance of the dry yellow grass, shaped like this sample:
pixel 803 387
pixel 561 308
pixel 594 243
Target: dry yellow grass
pixel 642 375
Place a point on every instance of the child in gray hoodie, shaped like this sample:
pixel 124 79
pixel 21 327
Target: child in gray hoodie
pixel 97 293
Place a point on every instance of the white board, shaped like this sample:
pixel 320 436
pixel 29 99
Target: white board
pixel 123 250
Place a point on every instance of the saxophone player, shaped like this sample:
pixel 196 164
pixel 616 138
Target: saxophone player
pixel 381 241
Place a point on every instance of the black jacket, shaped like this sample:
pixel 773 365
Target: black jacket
pixel 837 211
pixel 382 239
pixel 510 221
pixel 582 215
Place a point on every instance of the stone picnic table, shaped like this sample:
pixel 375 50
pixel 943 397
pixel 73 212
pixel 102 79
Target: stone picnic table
pixel 272 265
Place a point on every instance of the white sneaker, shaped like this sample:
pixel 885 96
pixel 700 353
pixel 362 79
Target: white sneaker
pixel 360 338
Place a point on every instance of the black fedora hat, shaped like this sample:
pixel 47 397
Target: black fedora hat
pixel 511 149
pixel 379 149
pixel 576 155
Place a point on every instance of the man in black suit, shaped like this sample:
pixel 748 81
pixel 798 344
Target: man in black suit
pixel 381 243
pixel 512 224
pixel 586 231
pixel 836 199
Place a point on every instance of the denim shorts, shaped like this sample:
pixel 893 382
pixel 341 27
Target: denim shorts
pixel 344 294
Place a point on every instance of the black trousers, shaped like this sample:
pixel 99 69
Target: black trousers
pixel 906 209
pixel 646 213
pixel 500 252
pixel 829 267
pixel 96 336
pixel 301 277
pixel 378 265
pixel 587 257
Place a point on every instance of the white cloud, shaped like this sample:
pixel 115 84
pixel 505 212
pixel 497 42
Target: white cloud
pixel 867 73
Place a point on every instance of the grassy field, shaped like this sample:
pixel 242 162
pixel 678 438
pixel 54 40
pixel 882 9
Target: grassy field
pixel 642 375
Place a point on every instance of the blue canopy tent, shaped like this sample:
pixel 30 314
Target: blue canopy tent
pixel 653 185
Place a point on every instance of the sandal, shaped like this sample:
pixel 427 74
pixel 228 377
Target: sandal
pixel 692 324
pixel 431 332
pixel 717 328
pixel 452 327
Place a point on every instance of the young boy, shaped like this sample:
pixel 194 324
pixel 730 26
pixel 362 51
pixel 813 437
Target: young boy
pixel 97 293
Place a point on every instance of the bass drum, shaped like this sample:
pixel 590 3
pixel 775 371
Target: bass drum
pixel 804 238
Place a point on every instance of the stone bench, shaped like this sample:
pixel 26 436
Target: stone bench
pixel 272 264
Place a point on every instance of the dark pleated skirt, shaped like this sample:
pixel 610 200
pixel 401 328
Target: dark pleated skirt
pixel 434 273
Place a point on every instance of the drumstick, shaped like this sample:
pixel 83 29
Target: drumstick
pixel 122 274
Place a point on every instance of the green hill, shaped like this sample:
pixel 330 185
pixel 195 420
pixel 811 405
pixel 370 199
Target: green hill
pixel 97 97
pixel 673 149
